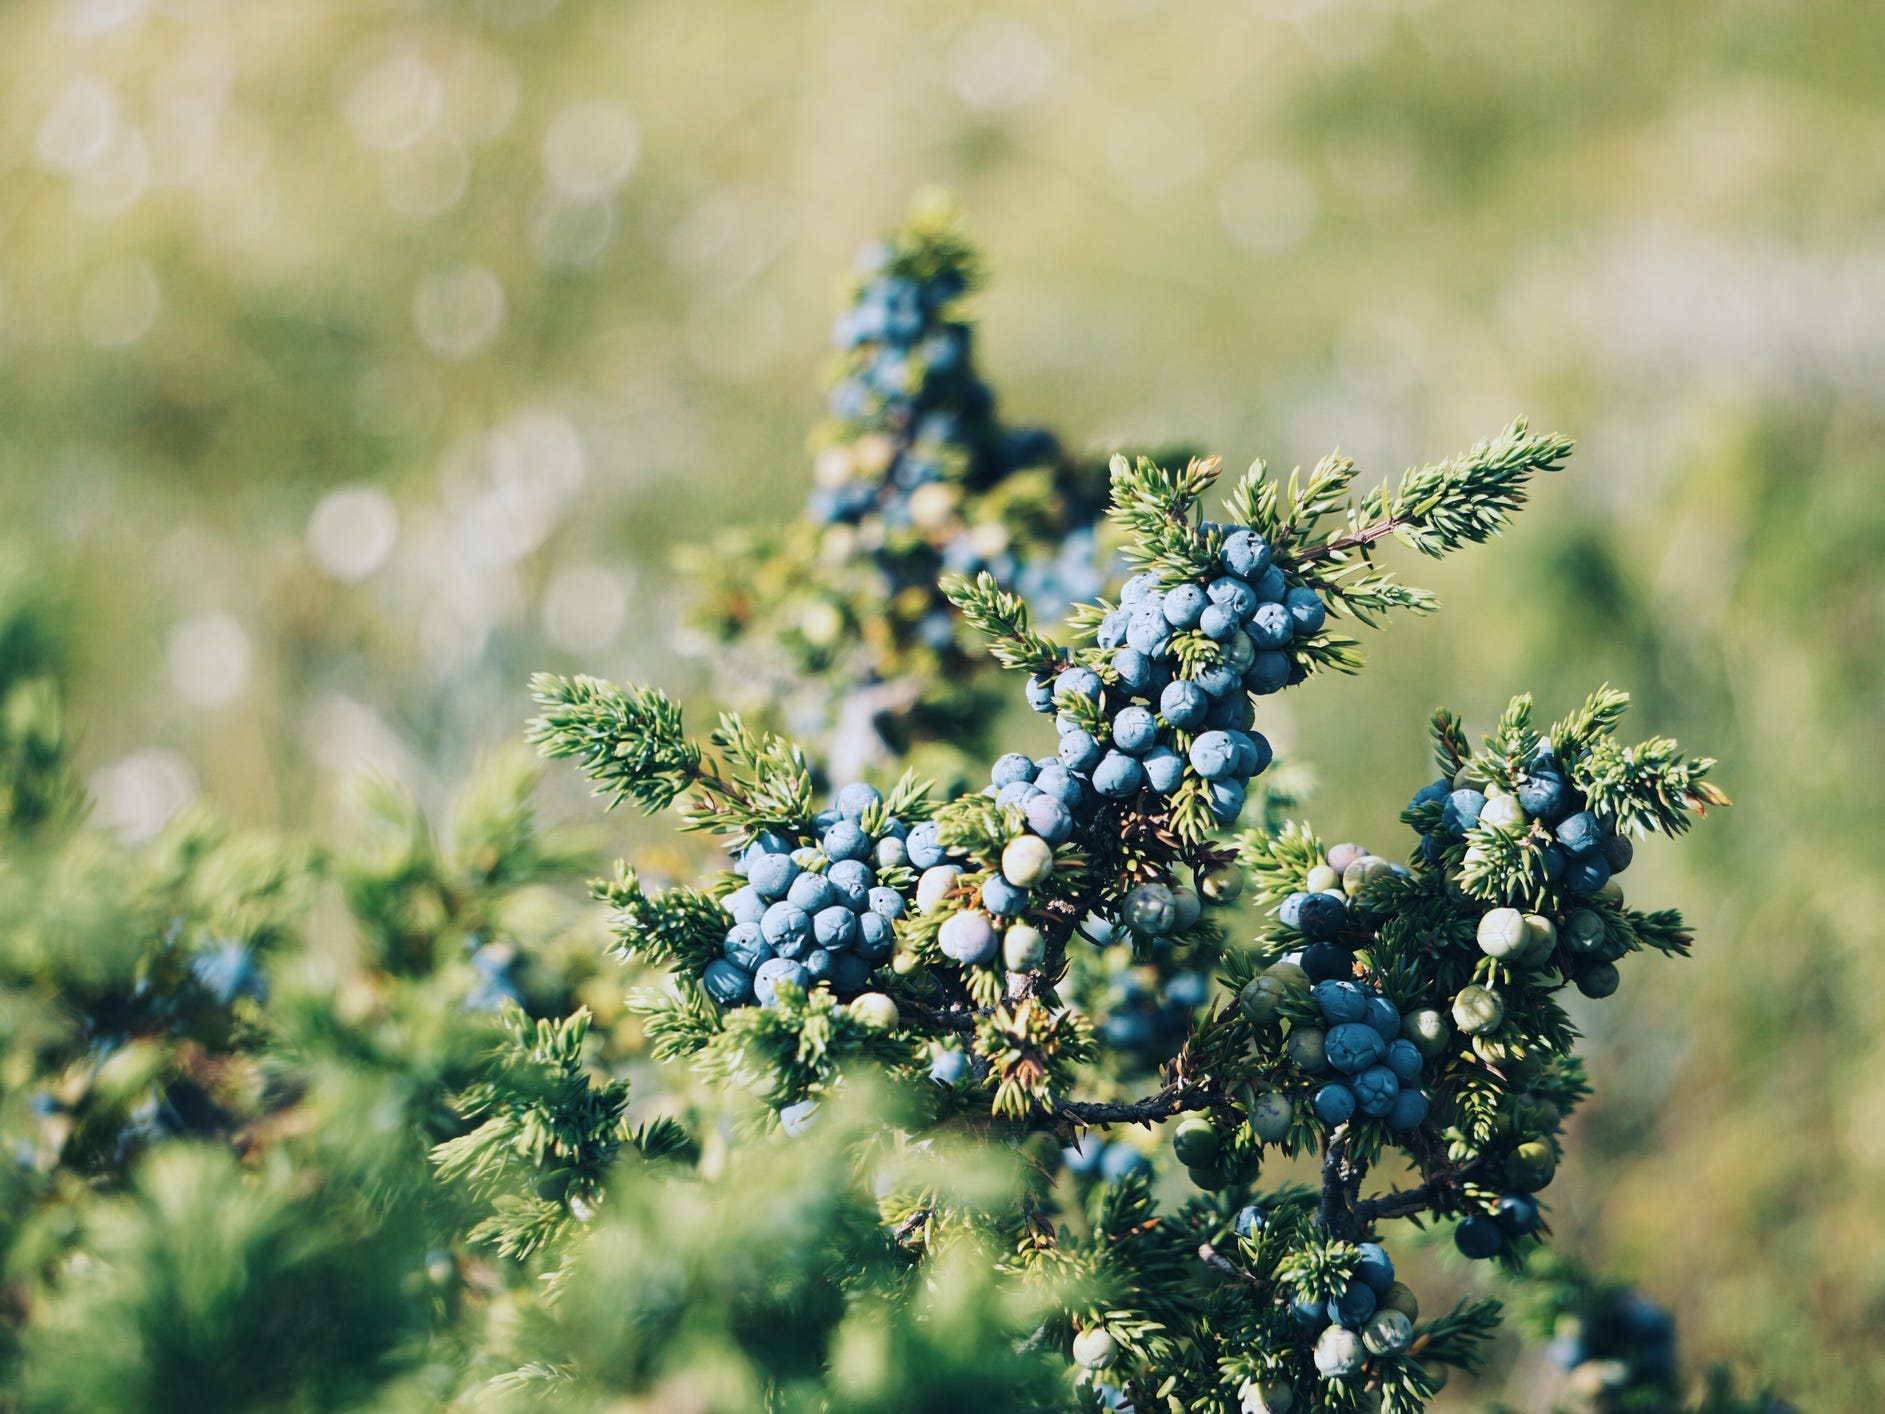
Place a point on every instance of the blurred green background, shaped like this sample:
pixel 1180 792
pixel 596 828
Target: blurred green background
pixel 359 358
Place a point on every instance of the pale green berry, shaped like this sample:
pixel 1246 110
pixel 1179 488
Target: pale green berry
pixel 1095 1349
pixel 876 1011
pixel 1267 1397
pixel 1502 933
pixel 1427 1028
pixel 1307 1047
pixel 1026 861
pixel 1361 871
pixel 1611 892
pixel 1478 1011
pixel 935 885
pixel 1503 812
pixel 1322 880
pixel 1023 947
pixel 1387 1333
pixel 1271 1116
pixel 1542 940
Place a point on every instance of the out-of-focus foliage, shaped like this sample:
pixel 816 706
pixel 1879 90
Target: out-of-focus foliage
pixel 357 356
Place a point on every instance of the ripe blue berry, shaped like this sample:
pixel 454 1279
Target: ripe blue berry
pixel 1080 752
pixel 1404 1059
pixel 1268 672
pixel 1462 811
pixel 727 983
pixel 1340 1001
pixel 1078 682
pixel 1041 694
pixel 1213 755
pixel 1135 730
pixel 1376 1090
pixel 1322 961
pixel 787 927
pixel 1335 1104
pixel 1478 1237
pixel 746 946
pixel 1138 588
pixel 1134 669
pixel 1352 1305
pixel 834 928
pixel 1164 769
pixel 744 905
pixel 771 875
pixel 1409 1112
pixel 1373 1267
pixel 922 846
pixel 950 1068
pixel 1184 605
pixel 1183 703
pixel 1049 819
pixel 854 880
pixel 1230 592
pixel 1002 898
pixel 856 798
pixel 776 970
pixel 1218 623
pixel 1117 775
pixel 1015 766
pixel 968 938
pixel 845 840
pixel 1271 627
pixel 875 938
pixel 1580 833
pixel 1322 916
pixel 1516 1214
pixel 1385 1017
pixel 813 892
pixel 1544 794
pixel 1246 554
pixel 1354 1046
pixel 1227 800
pixel 1306 611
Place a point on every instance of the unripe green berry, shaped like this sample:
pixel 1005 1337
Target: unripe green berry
pixel 1427 1028
pixel 1289 974
pixel 1095 1349
pixel 1400 1297
pixel 1322 879
pixel 1023 947
pixel 1530 1167
pixel 1339 1352
pixel 1211 1179
pixel 875 1011
pixel 1223 884
pixel 1502 933
pixel 1478 1011
pixel 1271 1116
pixel 1195 1141
pixel 1611 892
pixel 1188 905
pixel 1260 999
pixel 1387 1333
pixel 1307 1047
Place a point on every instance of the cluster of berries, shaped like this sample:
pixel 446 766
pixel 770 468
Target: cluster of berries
pixel 1169 712
pixel 814 912
pixel 1368 1314
pixel 916 430
pixel 1579 849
